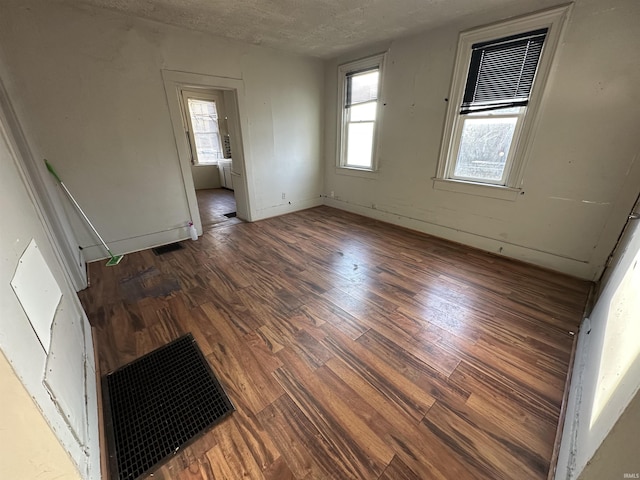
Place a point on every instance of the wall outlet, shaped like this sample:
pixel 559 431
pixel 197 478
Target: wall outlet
pixel 332 194
pixel 284 195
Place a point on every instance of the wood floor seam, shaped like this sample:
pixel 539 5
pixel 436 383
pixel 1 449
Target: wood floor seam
pixel 351 349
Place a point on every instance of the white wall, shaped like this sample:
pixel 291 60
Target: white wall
pixel 205 176
pixel 582 175
pixel 87 87
pixel 606 375
pixel 69 403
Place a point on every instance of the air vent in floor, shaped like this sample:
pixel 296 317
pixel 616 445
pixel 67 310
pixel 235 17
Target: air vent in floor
pixel 171 247
pixel 157 404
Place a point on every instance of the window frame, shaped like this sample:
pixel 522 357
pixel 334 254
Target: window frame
pixel 553 19
pixel 456 138
pixel 185 95
pixel 369 63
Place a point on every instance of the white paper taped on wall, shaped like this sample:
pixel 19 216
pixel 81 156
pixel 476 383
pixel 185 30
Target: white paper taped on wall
pixel 37 291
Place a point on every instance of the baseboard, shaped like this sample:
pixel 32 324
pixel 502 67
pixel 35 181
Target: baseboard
pixel 573 267
pixel 553 464
pixel 135 244
pixel 151 240
pixel 288 207
pixel 102 440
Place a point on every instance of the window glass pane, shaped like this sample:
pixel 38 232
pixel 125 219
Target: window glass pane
pixel 363 87
pixel 364 112
pixel 204 121
pixel 359 144
pixel 484 148
pixel 208 148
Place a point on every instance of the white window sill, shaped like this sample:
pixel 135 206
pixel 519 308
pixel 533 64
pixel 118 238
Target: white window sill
pixel 206 164
pixel 479 189
pixel 356 172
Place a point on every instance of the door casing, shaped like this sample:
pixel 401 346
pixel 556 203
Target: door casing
pixel 233 90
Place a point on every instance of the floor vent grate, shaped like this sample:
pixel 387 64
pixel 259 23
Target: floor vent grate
pixel 158 403
pixel 171 247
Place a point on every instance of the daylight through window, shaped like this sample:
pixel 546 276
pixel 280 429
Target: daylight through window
pixel 498 69
pixel 204 126
pixel 499 82
pixel 359 112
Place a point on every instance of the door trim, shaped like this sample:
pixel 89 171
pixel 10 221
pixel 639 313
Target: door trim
pixel 48 207
pixel 174 82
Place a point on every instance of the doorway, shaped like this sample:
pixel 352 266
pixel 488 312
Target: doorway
pixel 207 129
pixel 217 206
pixel 205 114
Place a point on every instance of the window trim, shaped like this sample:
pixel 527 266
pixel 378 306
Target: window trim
pixel 456 137
pixel 554 19
pixel 187 93
pixel 371 62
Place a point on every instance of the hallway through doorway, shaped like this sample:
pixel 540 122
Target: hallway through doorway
pixel 217 206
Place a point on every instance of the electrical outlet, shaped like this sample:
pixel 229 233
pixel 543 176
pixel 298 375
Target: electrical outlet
pixel 284 195
pixel 332 194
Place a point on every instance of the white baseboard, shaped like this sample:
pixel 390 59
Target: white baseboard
pixel 566 464
pixel 287 207
pixel 143 242
pixel 548 260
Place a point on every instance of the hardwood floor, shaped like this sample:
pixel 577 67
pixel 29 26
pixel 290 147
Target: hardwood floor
pixel 352 349
pixel 213 204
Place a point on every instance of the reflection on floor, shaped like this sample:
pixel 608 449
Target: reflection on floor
pixel 351 349
pixel 213 204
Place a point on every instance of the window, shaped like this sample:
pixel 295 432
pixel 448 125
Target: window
pixel 359 112
pixel 499 75
pixel 203 127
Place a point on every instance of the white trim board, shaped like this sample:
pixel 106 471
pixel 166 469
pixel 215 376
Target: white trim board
pixel 288 207
pixel 548 260
pixel 238 123
pixel 135 244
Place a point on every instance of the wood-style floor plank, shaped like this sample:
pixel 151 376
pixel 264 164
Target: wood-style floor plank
pixel 351 349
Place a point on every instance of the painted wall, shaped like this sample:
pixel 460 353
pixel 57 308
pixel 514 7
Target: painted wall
pixel 618 454
pixel 87 87
pixel 28 447
pixel 205 176
pixel 606 375
pixel 61 381
pixel 582 175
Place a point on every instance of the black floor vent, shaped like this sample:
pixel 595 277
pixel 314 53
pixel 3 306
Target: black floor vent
pixel 158 403
pixel 171 247
pixel 230 215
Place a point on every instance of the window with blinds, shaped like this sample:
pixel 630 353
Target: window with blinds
pixel 499 75
pixel 502 72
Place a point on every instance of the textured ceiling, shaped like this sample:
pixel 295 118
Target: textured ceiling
pixel 322 28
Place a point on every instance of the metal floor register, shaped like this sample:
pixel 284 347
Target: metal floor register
pixel 157 404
